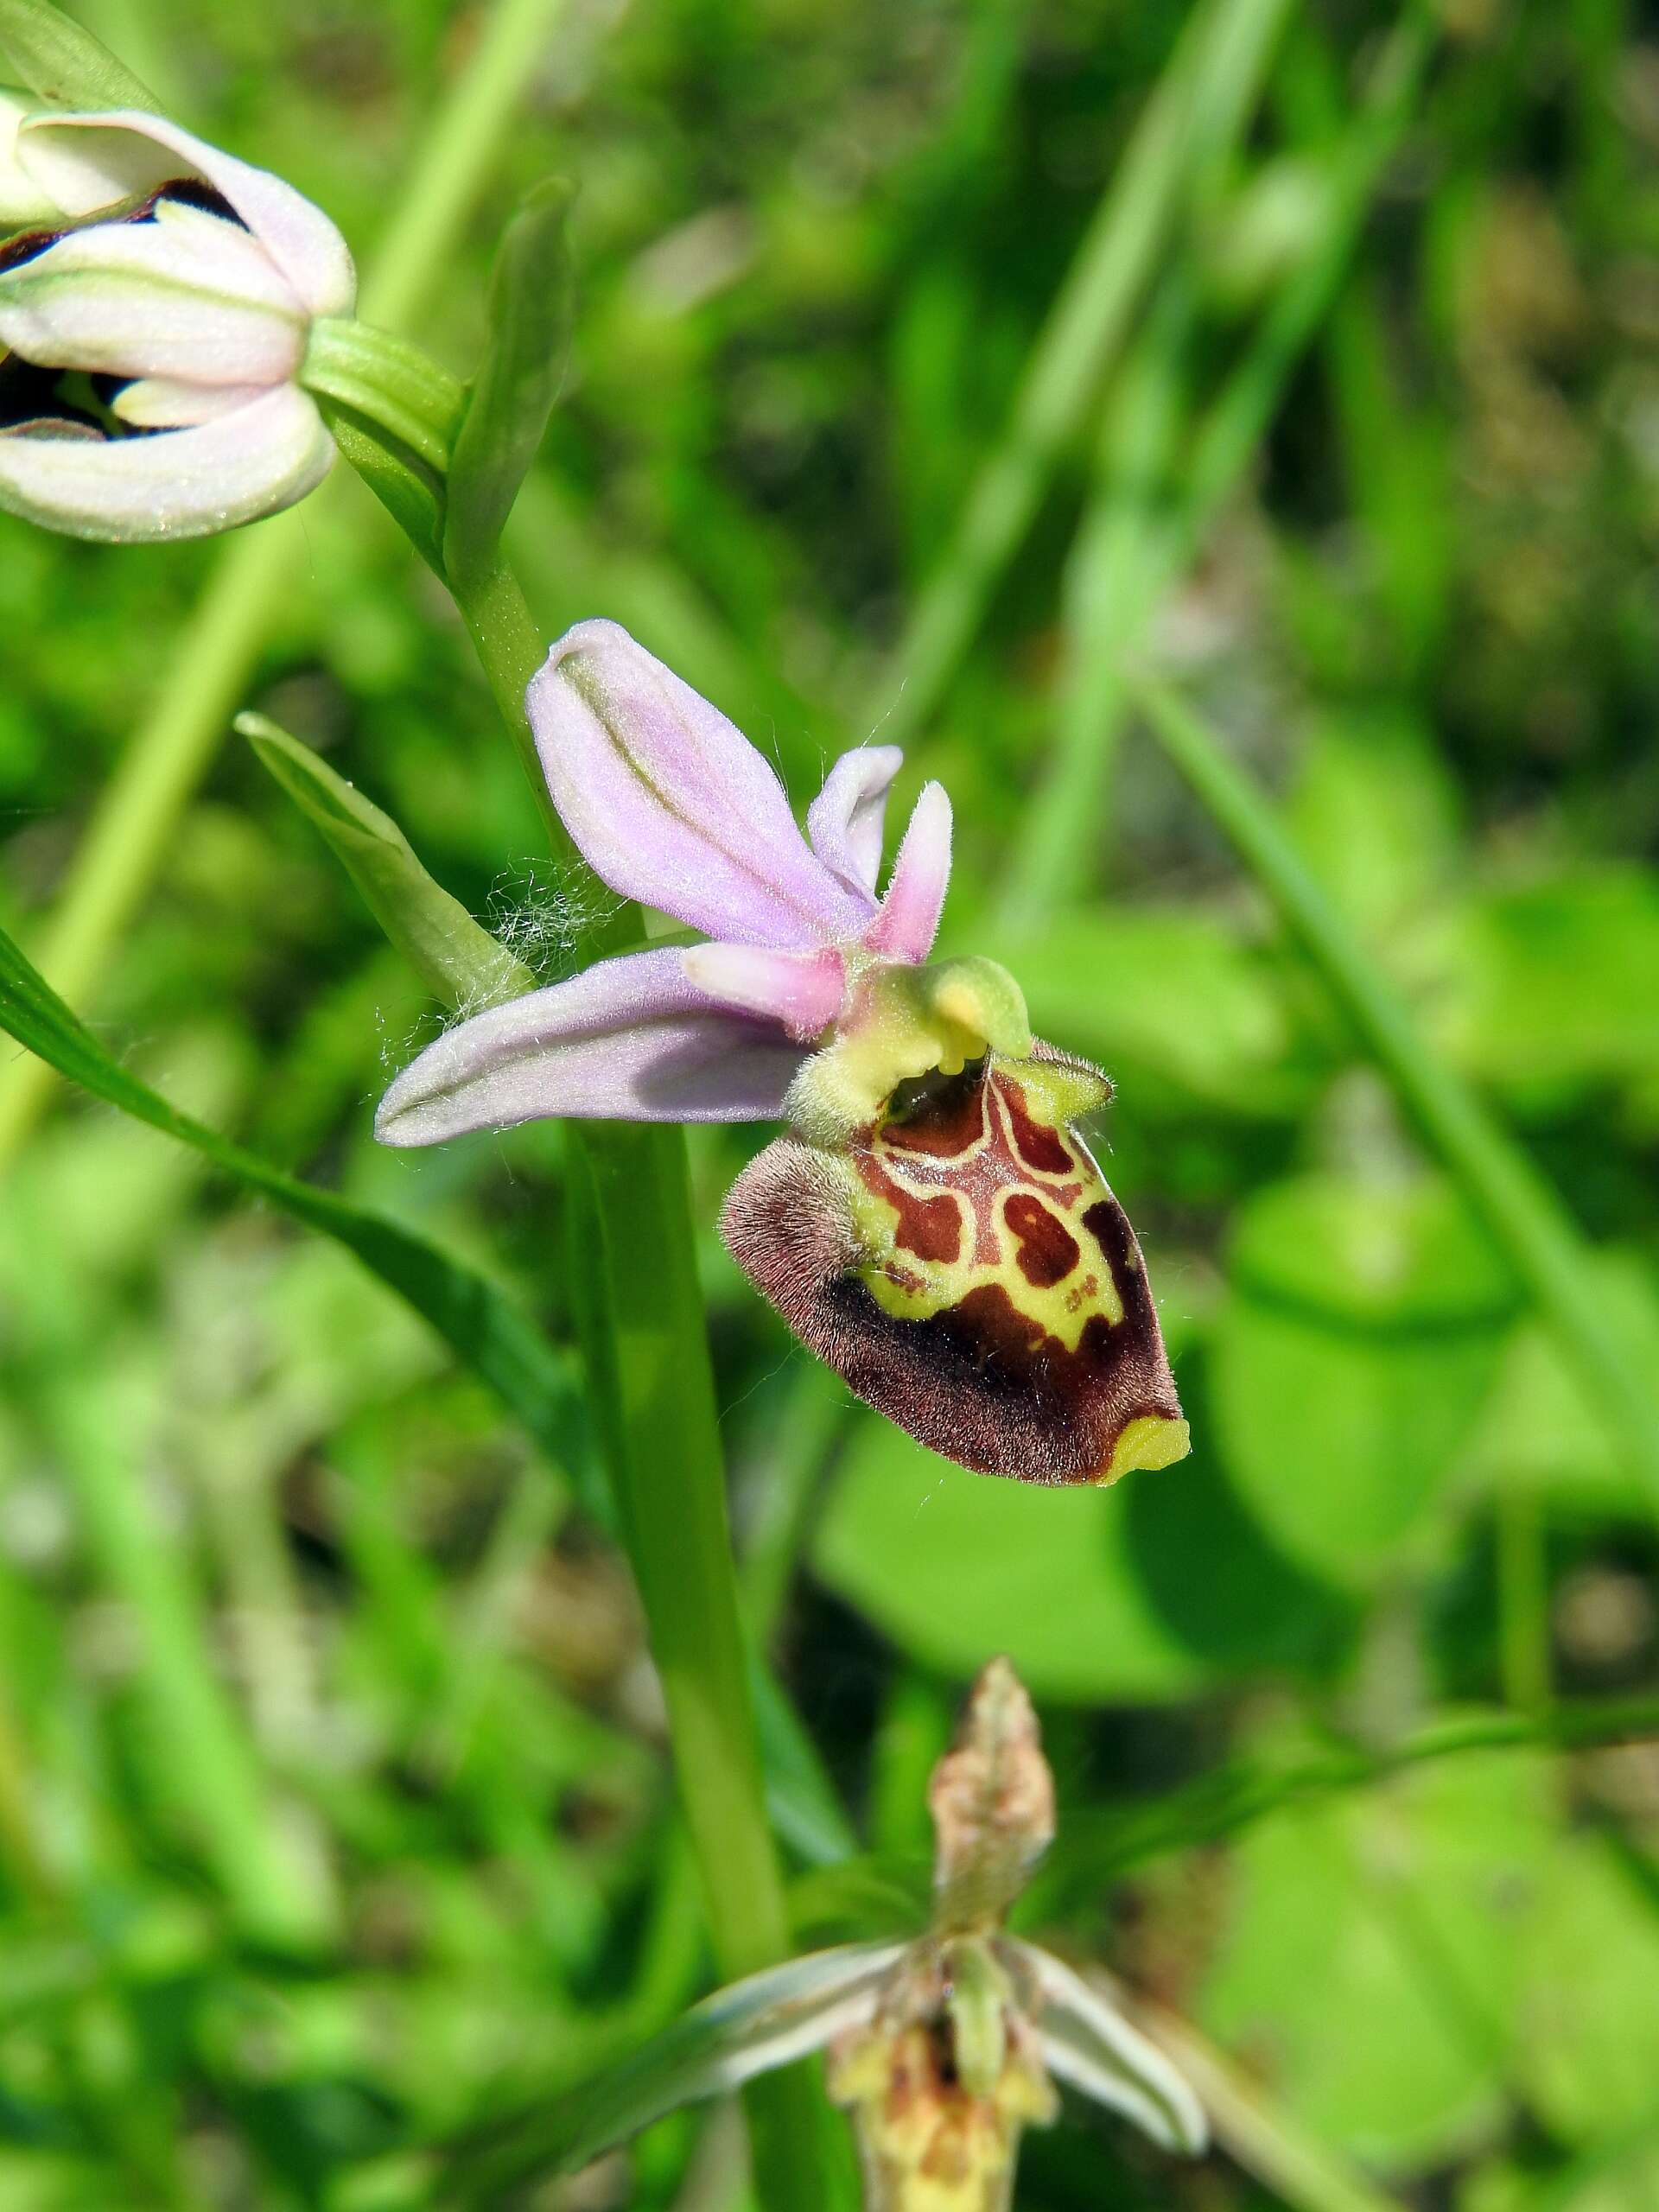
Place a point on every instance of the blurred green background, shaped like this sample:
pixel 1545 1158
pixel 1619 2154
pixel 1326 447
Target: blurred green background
pixel 334 1814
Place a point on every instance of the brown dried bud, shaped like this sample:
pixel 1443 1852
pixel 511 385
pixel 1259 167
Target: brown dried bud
pixel 992 1800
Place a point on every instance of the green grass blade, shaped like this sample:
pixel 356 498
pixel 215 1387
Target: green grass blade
pixel 731 2038
pixel 1199 107
pixel 455 956
pixel 1095 1845
pixel 516 384
pixel 64 65
pixel 1523 1214
pixel 1133 544
pixel 480 1324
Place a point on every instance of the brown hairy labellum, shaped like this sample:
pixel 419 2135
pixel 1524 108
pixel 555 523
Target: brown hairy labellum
pixel 964 1265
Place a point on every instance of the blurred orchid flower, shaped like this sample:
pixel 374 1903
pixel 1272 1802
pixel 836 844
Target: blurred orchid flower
pixel 173 290
pixel 942 2050
pixel 933 1227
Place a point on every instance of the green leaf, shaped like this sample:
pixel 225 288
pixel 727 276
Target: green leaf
pixel 1539 1429
pixel 480 1324
pixel 1589 2008
pixel 953 1564
pixel 1374 810
pixel 739 2032
pixel 1372 1954
pixel 63 65
pixel 1177 996
pixel 461 963
pixel 1547 990
pixel 516 384
pixel 409 491
pixel 537 1383
pixel 1348 1364
pixel 800 1797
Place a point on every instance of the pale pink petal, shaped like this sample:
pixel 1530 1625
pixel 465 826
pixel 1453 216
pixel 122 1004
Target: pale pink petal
pixel 844 822
pixel 908 920
pixel 173 483
pixel 632 1038
pixel 671 805
pixel 87 163
pixel 186 294
pixel 801 990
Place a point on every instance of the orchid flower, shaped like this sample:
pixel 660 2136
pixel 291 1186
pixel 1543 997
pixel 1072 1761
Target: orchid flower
pixel 933 1225
pixel 942 2050
pixel 183 286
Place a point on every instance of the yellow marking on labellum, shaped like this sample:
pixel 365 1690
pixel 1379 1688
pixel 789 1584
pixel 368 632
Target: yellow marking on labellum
pixel 901 1024
pixel 1150 1440
pixel 992 1193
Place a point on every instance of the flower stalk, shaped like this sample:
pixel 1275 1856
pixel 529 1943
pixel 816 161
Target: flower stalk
pixel 669 1472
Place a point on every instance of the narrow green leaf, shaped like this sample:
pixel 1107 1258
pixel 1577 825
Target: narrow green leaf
pixel 457 959
pixel 480 1324
pixel 63 65
pixel 409 491
pixel 800 1796
pixel 516 384
pixel 536 1383
pixel 749 2029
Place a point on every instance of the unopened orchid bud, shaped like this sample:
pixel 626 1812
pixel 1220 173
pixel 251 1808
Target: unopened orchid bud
pixel 188 284
pixel 992 1800
pixel 935 1225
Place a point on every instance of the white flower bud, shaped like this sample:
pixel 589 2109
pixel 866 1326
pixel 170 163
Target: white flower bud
pixel 193 279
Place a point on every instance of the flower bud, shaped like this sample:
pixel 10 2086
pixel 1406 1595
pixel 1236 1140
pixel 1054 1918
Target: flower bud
pixel 191 282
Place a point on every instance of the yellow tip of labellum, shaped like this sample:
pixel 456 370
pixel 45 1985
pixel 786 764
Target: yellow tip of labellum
pixel 1151 1440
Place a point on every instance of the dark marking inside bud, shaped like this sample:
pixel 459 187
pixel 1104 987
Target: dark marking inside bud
pixel 32 402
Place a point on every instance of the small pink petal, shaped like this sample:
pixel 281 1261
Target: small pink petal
pixel 632 1038
pixel 844 822
pixel 908 920
pixel 671 805
pixel 85 163
pixel 803 991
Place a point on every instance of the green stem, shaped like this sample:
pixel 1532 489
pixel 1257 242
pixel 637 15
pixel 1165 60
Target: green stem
pixel 664 1431
pixel 131 836
pixel 1523 1214
pixel 1096 1846
pixel 390 381
pixel 1198 106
